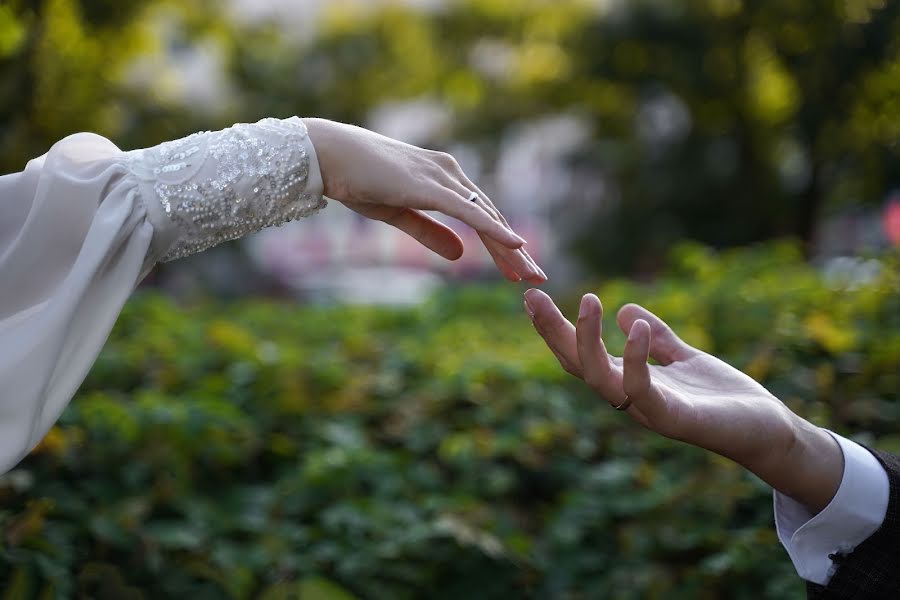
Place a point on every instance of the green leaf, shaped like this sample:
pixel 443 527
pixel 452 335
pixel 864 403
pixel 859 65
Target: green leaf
pixel 313 588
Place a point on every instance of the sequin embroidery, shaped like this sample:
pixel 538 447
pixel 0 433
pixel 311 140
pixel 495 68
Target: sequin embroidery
pixel 219 186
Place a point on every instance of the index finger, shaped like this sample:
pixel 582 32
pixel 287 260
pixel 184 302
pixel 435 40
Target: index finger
pixel 453 204
pixel 556 330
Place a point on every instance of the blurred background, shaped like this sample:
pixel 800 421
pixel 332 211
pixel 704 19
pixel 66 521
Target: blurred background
pixel 324 410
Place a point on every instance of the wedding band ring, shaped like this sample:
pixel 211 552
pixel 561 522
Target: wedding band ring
pixel 473 197
pixel 625 404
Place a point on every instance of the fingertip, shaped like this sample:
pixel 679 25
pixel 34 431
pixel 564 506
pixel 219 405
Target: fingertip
pixel 626 316
pixel 591 305
pixel 640 331
pixel 455 253
pixel 530 302
pixel 587 308
pixel 540 302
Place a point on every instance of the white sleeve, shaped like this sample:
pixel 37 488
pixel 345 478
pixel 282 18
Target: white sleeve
pixel 81 225
pixel 855 513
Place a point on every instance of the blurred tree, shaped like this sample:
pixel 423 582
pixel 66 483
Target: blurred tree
pixel 66 66
pixel 719 120
pixel 724 121
pixel 775 93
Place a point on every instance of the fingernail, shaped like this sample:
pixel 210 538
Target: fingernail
pixel 528 310
pixel 583 308
pixel 633 334
pixel 520 239
pixel 528 305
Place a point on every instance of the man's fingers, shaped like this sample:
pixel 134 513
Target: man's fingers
pixel 598 371
pixel 666 347
pixel 556 330
pixel 429 232
pixel 636 382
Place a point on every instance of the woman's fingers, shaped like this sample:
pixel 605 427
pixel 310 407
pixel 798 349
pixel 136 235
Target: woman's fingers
pixel 556 330
pixel 665 347
pixel 470 185
pixel 599 372
pixel 636 381
pixel 515 260
pixel 519 259
pixel 506 269
pixel 455 205
pixel 542 277
pixel 463 185
pixel 429 232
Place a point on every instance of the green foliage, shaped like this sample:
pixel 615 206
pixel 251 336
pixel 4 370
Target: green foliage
pixel 267 450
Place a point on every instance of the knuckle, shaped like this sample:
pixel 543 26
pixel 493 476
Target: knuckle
pixel 445 159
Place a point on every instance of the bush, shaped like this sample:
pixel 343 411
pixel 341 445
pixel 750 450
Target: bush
pixel 267 450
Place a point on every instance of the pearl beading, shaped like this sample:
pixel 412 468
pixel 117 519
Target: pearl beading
pixel 222 185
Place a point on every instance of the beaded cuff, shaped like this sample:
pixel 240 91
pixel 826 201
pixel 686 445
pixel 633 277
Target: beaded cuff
pixel 222 185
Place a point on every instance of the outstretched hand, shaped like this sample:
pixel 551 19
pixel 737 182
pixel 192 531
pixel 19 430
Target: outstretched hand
pixel 693 397
pixel 386 180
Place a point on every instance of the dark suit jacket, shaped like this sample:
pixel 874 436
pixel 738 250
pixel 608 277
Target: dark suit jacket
pixel 872 570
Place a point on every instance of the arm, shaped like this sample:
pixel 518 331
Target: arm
pixel 80 226
pixel 218 186
pixel 696 398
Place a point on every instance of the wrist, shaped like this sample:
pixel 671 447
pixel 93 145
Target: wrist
pixel 813 467
pixel 316 129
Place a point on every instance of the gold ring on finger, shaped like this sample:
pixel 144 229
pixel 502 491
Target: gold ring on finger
pixel 625 404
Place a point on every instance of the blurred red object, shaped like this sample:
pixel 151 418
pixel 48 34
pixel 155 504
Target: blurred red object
pixel 892 219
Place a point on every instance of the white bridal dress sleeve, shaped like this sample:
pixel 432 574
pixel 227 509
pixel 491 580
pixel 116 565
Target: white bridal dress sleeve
pixel 81 225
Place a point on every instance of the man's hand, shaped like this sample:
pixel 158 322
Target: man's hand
pixel 693 397
pixel 386 180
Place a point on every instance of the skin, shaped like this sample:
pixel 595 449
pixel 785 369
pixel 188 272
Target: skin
pixel 386 180
pixel 693 397
pixel 689 395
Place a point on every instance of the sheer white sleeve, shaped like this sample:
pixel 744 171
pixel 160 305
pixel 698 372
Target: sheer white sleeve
pixel 81 225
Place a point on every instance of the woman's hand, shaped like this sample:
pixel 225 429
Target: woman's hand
pixel 390 181
pixel 693 397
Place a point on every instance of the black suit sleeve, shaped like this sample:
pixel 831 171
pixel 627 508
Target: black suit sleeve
pixel 872 570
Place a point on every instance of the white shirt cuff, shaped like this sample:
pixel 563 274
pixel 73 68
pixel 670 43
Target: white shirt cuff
pixel 855 513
